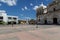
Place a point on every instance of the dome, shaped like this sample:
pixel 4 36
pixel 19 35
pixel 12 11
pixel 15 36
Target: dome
pixel 42 5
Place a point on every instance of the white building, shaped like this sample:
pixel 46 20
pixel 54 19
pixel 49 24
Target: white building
pixel 3 16
pixel 7 18
pixel 13 19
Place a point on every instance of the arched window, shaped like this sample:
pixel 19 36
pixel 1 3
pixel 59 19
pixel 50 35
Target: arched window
pixel 39 20
pixel 54 9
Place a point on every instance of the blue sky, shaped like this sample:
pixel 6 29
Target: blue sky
pixel 24 9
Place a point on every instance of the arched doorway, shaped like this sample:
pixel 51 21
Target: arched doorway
pixel 54 20
pixel 45 22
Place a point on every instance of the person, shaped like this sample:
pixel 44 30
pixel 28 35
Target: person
pixel 12 24
pixel 36 25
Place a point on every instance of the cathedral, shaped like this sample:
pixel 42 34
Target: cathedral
pixel 49 14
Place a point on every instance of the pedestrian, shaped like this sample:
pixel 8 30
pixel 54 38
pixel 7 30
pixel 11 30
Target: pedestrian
pixel 12 24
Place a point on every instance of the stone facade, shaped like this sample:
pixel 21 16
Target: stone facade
pixel 52 14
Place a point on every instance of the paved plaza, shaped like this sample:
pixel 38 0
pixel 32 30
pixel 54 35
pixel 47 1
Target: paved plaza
pixel 30 32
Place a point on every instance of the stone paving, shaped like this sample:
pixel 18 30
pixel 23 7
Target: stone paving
pixel 13 38
pixel 30 32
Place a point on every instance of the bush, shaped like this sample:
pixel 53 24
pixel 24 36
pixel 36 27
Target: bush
pixel 2 22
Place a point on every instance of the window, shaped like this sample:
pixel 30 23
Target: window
pixel 9 18
pixel 39 20
pixel 54 9
pixel 1 17
pixel 14 18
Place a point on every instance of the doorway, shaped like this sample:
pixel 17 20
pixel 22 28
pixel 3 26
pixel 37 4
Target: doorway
pixel 14 22
pixel 45 21
pixel 54 20
pixel 9 22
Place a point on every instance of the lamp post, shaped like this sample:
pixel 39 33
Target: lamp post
pixel 27 21
pixel 36 23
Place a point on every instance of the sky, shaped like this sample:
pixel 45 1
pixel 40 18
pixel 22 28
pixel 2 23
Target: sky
pixel 24 9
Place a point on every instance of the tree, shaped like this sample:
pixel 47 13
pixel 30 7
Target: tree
pixel 32 21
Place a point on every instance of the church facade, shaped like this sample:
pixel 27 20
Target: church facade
pixel 49 14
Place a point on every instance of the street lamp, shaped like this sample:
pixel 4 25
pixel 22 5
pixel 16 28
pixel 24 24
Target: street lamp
pixel 36 23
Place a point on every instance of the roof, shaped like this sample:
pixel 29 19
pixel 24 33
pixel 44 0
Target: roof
pixel 12 16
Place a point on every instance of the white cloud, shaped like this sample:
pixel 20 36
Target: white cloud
pixel 35 7
pixel 31 4
pixel 9 2
pixel 22 9
pixel 25 7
